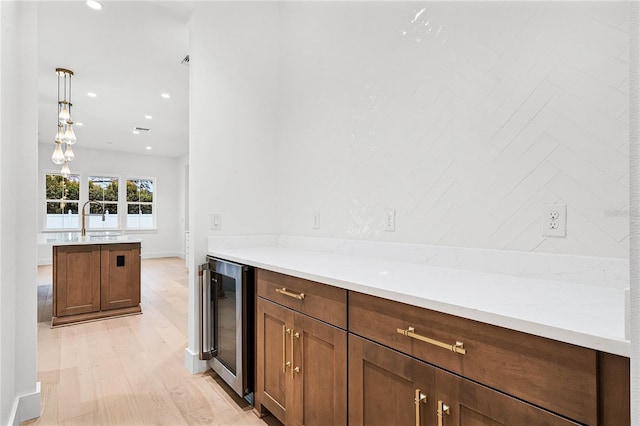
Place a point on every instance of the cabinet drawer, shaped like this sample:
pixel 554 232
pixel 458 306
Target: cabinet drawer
pixel 557 376
pixel 321 301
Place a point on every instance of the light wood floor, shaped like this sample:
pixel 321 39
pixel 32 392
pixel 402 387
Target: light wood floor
pixel 130 370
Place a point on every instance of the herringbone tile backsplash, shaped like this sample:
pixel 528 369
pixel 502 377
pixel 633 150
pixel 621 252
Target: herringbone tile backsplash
pixel 464 117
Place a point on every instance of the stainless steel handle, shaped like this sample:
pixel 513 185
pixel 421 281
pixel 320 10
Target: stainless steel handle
pixel 283 290
pixel 204 296
pixel 200 313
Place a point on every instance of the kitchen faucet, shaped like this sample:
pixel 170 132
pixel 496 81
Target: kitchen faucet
pixel 84 230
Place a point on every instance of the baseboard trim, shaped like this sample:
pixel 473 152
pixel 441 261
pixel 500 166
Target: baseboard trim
pixel 193 363
pixel 158 254
pixel 25 407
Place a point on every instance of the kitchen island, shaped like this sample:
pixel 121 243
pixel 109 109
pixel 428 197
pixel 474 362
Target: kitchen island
pixel 94 277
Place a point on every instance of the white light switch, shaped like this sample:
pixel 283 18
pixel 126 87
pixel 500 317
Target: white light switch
pixel 316 220
pixel 554 220
pixel 216 221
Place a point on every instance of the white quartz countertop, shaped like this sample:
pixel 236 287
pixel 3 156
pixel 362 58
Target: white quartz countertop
pixel 68 239
pixel 584 315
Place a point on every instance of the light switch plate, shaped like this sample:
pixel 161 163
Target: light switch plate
pixel 554 220
pixel 316 220
pixel 216 221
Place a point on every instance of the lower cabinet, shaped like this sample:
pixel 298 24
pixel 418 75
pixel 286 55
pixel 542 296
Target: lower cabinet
pixel 407 365
pixel 95 281
pixel 76 280
pixel 301 367
pixel 387 387
pixel 119 276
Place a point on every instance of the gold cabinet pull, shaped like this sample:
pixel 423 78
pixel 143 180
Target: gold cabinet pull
pixel 457 347
pixel 420 398
pixel 285 364
pixel 442 410
pixel 296 335
pixel 283 290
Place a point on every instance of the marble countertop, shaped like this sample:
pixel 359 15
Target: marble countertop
pixel 74 238
pixel 584 315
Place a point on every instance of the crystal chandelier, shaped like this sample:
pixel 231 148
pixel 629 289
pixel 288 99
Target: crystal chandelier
pixel 65 137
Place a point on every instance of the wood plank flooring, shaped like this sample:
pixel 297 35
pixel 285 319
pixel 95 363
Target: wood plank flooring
pixel 130 370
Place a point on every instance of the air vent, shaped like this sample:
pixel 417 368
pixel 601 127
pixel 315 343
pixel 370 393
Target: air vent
pixel 185 61
pixel 142 129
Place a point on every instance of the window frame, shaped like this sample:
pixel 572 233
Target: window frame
pixel 123 205
pixel 118 179
pixel 152 204
pixel 51 200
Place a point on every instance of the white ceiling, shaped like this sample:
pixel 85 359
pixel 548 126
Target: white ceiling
pixel 128 53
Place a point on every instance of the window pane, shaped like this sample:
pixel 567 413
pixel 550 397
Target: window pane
pixel 63 216
pixel 58 187
pixel 103 188
pixel 140 190
pixel 139 215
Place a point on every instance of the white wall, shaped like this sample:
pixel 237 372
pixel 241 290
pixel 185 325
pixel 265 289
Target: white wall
pixel 233 117
pixel 19 391
pixel 166 239
pixel 464 117
pixel 182 200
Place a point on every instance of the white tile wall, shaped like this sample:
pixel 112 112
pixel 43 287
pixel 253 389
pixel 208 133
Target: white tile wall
pixel 463 116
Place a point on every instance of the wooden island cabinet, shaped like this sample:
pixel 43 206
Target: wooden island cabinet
pixel 321 349
pixel 93 281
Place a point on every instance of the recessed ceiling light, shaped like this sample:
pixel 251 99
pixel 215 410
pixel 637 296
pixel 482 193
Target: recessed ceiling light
pixel 149 148
pixel 135 132
pixel 165 95
pixel 148 117
pixel 93 4
pixel 91 95
pixel 78 124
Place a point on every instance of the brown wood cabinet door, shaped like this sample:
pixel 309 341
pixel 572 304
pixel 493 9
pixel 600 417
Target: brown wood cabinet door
pixel 76 279
pixel 273 351
pixel 383 385
pixel 319 373
pixel 470 404
pixel 120 283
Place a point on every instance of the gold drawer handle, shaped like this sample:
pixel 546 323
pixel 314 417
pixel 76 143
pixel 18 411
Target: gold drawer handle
pixel 285 363
pixel 294 334
pixel 457 347
pixel 284 291
pixel 420 398
pixel 442 410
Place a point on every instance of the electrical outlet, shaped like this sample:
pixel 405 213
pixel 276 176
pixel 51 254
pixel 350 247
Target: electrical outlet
pixel 390 220
pixel 316 220
pixel 554 220
pixel 216 221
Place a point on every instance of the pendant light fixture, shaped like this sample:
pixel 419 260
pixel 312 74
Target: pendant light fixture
pixel 65 136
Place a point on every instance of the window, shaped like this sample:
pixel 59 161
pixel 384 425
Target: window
pixel 105 190
pixel 62 198
pixel 140 203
